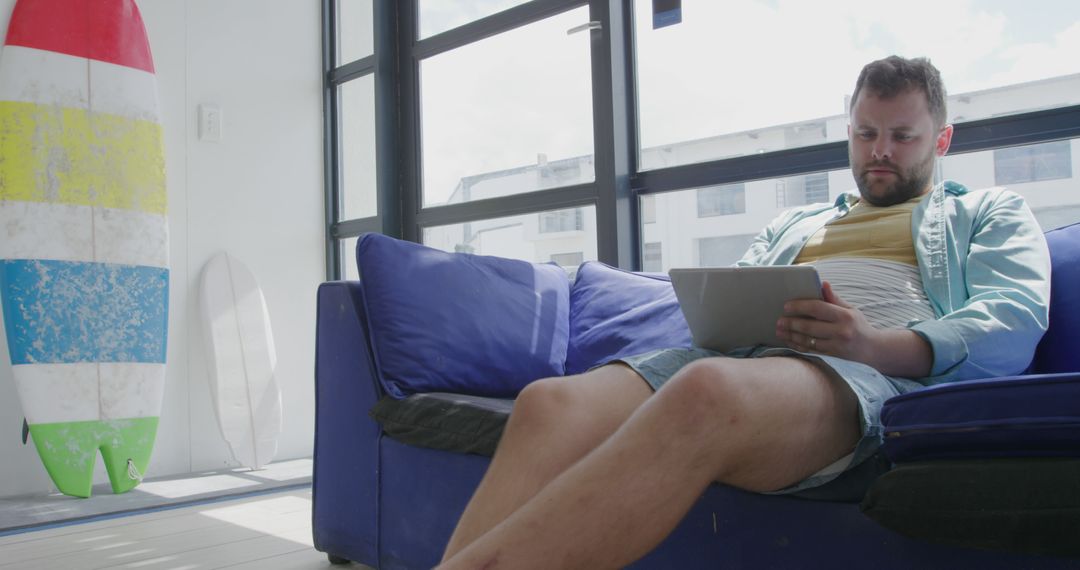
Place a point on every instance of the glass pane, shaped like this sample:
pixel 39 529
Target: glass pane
pixel 437 16
pixel 358 148
pixel 688 240
pixel 713 226
pixel 503 116
pixel 1044 174
pixel 355 31
pixel 797 64
pixel 566 237
pixel 349 272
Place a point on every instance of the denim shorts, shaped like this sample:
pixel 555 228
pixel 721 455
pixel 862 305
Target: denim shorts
pixel 848 477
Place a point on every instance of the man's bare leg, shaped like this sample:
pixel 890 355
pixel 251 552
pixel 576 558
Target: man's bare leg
pixel 555 422
pixel 757 424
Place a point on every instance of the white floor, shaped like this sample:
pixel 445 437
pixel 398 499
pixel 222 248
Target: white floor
pixel 29 511
pixel 268 531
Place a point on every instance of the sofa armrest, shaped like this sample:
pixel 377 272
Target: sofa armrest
pixel 1017 416
pixel 346 471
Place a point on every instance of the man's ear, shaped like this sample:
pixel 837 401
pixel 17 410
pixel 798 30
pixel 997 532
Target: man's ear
pixel 944 139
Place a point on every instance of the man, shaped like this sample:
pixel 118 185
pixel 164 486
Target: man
pixel 922 285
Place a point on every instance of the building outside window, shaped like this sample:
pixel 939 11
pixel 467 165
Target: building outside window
pixel 817 188
pixel 720 251
pixel 562 221
pixel 648 209
pixel 721 200
pixel 569 262
pixel 652 258
pixel 781 194
pixel 1032 163
pixel 568 259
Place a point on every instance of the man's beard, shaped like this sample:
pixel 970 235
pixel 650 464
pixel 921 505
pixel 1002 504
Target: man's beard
pixel 909 184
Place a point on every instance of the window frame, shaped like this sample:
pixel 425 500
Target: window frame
pixel 618 183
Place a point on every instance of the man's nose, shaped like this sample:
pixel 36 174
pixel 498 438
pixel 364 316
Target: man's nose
pixel 882 149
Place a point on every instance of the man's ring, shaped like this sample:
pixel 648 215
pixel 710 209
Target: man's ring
pixel 813 342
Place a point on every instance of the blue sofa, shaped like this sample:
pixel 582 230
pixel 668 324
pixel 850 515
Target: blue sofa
pixel 421 321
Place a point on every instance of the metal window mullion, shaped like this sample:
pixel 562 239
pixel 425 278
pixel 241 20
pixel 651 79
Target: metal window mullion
pixel 408 100
pixel 616 228
pixel 1012 130
pixel 331 131
pixel 352 70
pixel 512 205
pixel 388 108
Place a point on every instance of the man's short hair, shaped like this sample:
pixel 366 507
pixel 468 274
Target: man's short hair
pixel 889 77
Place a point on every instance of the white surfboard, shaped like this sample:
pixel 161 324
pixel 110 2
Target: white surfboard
pixel 241 356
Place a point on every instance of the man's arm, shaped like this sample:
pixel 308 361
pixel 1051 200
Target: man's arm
pixel 1005 281
pixel 997 316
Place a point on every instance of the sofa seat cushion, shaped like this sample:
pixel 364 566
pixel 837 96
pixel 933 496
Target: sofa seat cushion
pixel 1057 351
pixel 1008 417
pixel 454 322
pixel 616 313
pixel 439 420
pixel 1029 505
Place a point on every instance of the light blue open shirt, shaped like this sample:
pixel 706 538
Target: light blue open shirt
pixel 985 267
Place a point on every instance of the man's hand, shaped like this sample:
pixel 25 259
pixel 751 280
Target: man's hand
pixel 833 327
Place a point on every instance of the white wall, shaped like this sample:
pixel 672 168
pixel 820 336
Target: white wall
pixel 256 194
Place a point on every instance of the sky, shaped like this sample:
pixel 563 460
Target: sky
pixel 727 67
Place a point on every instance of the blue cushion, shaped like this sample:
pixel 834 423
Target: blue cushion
pixel 1019 416
pixel 616 313
pixel 1058 350
pixel 454 322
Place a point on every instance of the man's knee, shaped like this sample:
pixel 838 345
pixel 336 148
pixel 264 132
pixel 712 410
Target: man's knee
pixel 541 404
pixel 706 392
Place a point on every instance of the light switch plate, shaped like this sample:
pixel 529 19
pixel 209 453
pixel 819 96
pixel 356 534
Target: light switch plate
pixel 209 123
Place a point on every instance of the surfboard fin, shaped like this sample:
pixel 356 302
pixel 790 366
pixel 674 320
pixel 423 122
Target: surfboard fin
pixel 25 431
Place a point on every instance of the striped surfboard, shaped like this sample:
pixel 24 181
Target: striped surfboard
pixel 84 276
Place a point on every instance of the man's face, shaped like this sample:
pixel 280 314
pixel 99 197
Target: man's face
pixel 893 144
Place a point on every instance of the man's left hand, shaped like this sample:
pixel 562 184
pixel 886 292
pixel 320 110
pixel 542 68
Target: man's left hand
pixel 832 326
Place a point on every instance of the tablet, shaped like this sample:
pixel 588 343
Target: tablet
pixel 731 307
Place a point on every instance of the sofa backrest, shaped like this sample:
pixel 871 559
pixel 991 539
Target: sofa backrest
pixel 1059 350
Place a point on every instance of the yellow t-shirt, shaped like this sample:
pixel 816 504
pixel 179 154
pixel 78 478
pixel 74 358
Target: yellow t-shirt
pixel 866 231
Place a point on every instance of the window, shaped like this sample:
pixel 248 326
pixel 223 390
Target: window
pixel 652 257
pixel 721 200
pixel 440 15
pixel 1046 161
pixel 817 188
pixel 568 259
pixel 1053 199
pixel 519 237
pixel 354 34
pixel 781 194
pixel 562 221
pixel 648 209
pixel 357 99
pixel 766 100
pixel 498 120
pixel 722 251
pixel 501 134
